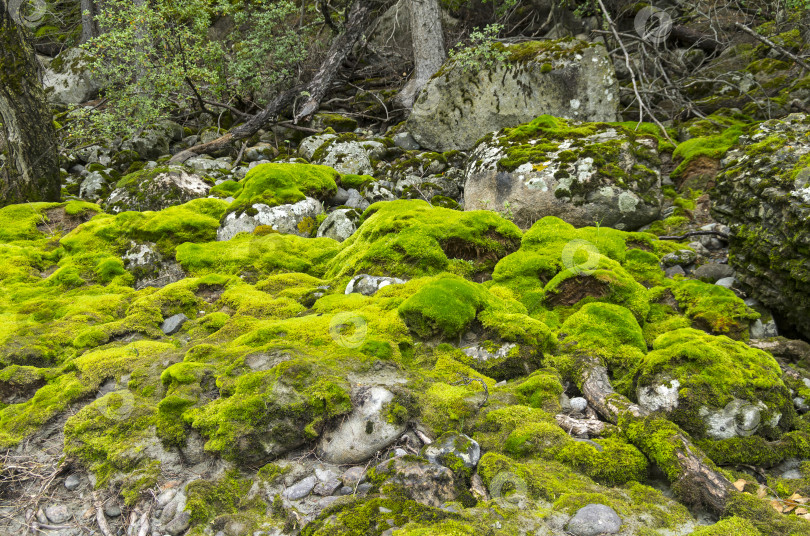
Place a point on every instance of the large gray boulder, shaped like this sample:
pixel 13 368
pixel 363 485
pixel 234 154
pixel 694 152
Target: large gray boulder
pixel 565 78
pixel 67 79
pixel 583 173
pixel 763 195
pixel 156 189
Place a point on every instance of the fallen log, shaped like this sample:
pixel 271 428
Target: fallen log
pixel 694 477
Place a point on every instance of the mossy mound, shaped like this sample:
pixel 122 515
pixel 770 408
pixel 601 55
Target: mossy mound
pixel 411 238
pixel 281 184
pixel 714 371
pixel 554 256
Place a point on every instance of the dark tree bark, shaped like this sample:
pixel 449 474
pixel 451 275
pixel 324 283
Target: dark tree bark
pixel 694 477
pixel 428 48
pixel 30 169
pixel 357 21
pixel 90 28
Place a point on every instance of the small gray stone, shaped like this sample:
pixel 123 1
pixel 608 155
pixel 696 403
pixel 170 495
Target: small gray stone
pixel 363 489
pixel 459 446
pixel 112 510
pixel 593 520
pixel 301 489
pixel 356 200
pixel 179 524
pixel 682 257
pixel 173 324
pixel 353 475
pixel 404 140
pixel 325 489
pixel 339 198
pixel 712 272
pixel 672 271
pixel 726 282
pixel 346 490
pixel 72 482
pixel 339 225
pixel 578 404
pixel 58 514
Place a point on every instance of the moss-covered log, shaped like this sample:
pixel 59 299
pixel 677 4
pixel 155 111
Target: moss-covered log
pixel 694 477
pixel 29 165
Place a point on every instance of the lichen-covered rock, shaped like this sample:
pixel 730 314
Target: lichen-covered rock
pixel 340 224
pixel 364 432
pixel 368 285
pixel 763 195
pixel 287 219
pixel 565 78
pixel 584 173
pixel 343 153
pixel 155 189
pixel 68 79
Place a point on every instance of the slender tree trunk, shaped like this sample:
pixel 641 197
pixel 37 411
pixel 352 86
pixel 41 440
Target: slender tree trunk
pixel 428 48
pixel 90 27
pixel 29 169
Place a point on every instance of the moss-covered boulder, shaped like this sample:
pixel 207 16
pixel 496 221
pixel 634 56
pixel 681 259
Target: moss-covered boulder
pixel 284 197
pixel 156 189
pixel 584 173
pixel 763 195
pixel 412 238
pixel 464 101
pixel 714 387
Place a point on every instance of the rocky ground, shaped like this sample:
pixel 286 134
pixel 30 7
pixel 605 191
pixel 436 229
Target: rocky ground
pixel 396 331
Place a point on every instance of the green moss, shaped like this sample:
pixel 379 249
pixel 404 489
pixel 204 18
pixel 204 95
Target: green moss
pixel 226 495
pixel 358 182
pixel 225 189
pixel 411 238
pixel 552 247
pixel 714 308
pixel 259 255
pixel 445 307
pixel 609 332
pixel 732 525
pixel 763 517
pixel 278 184
pixel 714 147
pixel 270 412
pixel 359 517
pixel 712 371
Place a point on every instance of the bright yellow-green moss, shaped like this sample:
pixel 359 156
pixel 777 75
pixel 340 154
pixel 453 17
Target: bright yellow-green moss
pixel 278 184
pixel 712 371
pixel 255 255
pixel 714 308
pixel 411 238
pixel 609 332
pixel 736 526
pixel 552 246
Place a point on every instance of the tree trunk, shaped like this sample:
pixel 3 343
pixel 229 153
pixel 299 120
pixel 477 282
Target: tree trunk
pixel 90 27
pixel 358 19
pixel 29 170
pixel 694 477
pixel 428 48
